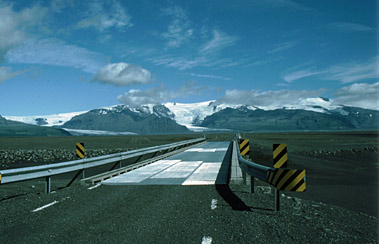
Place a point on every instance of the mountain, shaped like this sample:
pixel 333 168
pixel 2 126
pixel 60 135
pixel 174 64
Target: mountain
pixel 292 119
pixel 306 114
pixel 144 120
pixel 14 128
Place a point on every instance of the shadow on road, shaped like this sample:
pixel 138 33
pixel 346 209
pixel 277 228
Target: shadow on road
pixel 232 199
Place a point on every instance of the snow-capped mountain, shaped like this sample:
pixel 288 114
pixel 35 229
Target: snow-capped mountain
pixel 45 120
pixel 310 113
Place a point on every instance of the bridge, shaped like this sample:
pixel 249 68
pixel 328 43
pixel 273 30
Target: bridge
pixel 185 192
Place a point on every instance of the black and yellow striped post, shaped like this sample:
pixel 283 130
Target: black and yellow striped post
pixel 245 150
pixel 80 150
pixel 280 155
pixel 80 154
pixel 244 147
pixel 286 180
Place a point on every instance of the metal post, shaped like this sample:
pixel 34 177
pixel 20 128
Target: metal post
pixel 244 177
pixel 251 184
pixel 48 185
pixel 120 164
pixel 83 174
pixel 277 200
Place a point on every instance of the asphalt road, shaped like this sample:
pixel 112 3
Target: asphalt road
pixel 173 214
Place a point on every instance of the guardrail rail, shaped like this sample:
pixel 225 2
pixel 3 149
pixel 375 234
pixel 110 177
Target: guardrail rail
pixel 280 178
pixel 49 170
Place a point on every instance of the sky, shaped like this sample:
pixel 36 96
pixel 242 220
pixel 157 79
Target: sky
pixel 64 56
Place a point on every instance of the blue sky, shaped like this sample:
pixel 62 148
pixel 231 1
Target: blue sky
pixel 65 56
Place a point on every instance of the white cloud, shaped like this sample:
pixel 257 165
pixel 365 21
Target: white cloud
pixel 55 52
pixel 122 74
pixel 362 95
pixel 282 46
pixel 103 15
pixel 6 73
pixel 352 72
pixel 282 4
pixel 349 27
pixel 345 73
pixel 159 95
pixel 298 75
pixel 136 98
pixel 273 99
pixel 180 62
pixel 14 25
pixel 219 41
pixel 179 29
pixel 210 76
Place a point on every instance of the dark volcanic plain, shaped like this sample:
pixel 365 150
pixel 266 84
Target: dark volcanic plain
pixel 339 206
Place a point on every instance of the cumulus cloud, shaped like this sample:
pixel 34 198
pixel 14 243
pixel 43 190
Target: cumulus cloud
pixel 55 52
pixel 345 73
pixel 14 25
pixel 122 74
pixel 159 95
pixel 362 95
pixel 267 98
pixel 179 28
pixel 103 15
pixel 136 98
pixel 6 73
pixel 219 41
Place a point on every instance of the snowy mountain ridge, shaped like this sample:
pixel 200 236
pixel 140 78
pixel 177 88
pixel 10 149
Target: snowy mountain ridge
pixel 187 114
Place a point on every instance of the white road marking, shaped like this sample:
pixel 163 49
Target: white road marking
pixel 93 187
pixel 214 204
pixel 221 149
pixel 206 240
pixel 180 170
pixel 206 174
pixel 143 173
pixel 45 206
pixel 197 149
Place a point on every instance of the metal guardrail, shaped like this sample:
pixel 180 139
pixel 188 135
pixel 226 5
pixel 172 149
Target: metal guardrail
pixel 293 179
pixel 96 179
pixel 28 173
pixel 255 170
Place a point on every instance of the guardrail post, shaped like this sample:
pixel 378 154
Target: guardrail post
pixel 251 184
pixel 48 185
pixel 244 177
pixel 83 174
pixel 277 200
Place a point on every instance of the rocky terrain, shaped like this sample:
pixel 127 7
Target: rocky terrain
pixel 23 158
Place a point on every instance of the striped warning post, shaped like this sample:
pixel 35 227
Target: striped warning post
pixel 80 149
pixel 287 179
pixel 244 146
pixel 280 155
